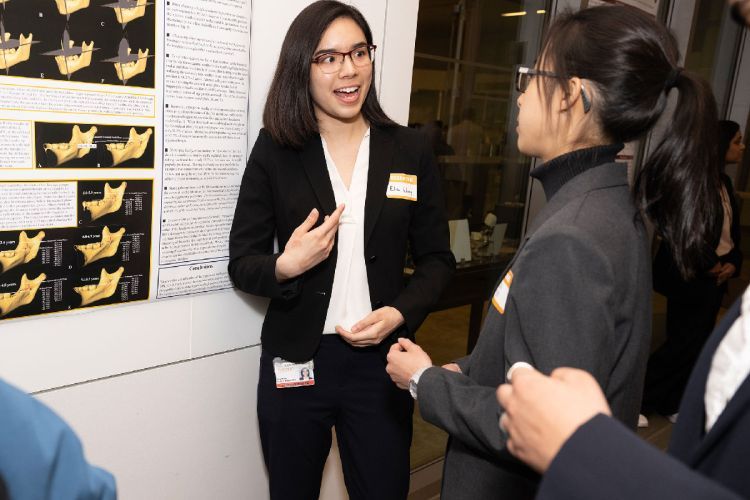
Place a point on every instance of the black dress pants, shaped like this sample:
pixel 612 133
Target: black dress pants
pixel 352 393
pixel 691 317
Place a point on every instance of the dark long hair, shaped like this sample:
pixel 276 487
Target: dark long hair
pixel 289 115
pixel 631 60
pixel 727 130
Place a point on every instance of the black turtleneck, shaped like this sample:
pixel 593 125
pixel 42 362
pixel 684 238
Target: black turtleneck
pixel 558 171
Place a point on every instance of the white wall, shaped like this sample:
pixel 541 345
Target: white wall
pixel 163 394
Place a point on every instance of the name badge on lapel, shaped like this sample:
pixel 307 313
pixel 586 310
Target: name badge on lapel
pixel 402 186
pixel 501 294
pixel 290 374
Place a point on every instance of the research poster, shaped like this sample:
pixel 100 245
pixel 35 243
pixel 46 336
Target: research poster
pixel 124 139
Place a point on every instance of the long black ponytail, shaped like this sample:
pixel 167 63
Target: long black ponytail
pixel 632 61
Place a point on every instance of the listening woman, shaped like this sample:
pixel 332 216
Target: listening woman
pixel 578 291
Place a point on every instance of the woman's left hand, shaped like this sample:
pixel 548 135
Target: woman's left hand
pixel 373 328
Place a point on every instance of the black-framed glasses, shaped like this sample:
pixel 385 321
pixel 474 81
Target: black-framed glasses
pixel 524 75
pixel 331 62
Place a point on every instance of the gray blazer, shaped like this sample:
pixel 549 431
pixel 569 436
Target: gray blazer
pixel 580 297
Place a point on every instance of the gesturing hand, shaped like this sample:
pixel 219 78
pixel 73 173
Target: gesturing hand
pixel 308 247
pixel 373 328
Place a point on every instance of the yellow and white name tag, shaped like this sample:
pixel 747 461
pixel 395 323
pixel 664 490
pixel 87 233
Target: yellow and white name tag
pixel 290 374
pixel 501 294
pixel 402 186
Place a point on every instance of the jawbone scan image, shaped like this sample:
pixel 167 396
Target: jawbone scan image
pixel 107 247
pixel 13 51
pixel 111 202
pixel 134 148
pixel 67 7
pixel 102 290
pixel 72 63
pixel 24 295
pixel 71 58
pixel 24 253
pixel 128 10
pixel 128 65
pixel 77 147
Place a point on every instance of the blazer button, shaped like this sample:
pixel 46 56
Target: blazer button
pixel 372 258
pixel 377 304
pixel 320 292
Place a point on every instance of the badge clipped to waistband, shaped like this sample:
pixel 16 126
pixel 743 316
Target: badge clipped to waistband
pixel 290 374
pixel 402 186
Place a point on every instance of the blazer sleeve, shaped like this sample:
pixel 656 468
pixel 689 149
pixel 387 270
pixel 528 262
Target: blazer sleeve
pixel 463 408
pixel 562 305
pixel 603 459
pixel 252 260
pixel 429 242
pixel 545 325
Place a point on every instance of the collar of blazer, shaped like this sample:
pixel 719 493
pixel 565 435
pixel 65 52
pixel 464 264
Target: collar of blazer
pixel 382 148
pixel 689 442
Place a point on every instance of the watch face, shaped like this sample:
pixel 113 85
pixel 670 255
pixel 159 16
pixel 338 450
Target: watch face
pixel 413 388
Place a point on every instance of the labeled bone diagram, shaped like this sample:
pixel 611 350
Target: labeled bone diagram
pixel 14 51
pixel 128 65
pixel 111 202
pixel 71 58
pixel 134 148
pixel 104 289
pixel 128 10
pixel 24 252
pixel 67 7
pixel 102 249
pixel 24 295
pixel 78 146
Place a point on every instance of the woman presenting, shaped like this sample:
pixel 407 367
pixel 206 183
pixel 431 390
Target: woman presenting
pixel 346 191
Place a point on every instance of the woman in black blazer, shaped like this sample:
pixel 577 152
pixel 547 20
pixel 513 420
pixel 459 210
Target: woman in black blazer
pixel 343 219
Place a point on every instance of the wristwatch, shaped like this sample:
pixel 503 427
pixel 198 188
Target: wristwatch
pixel 414 381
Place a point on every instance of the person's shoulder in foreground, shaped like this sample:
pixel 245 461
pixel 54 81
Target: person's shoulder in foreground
pixel 40 455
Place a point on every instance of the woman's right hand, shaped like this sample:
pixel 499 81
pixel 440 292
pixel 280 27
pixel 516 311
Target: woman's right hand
pixel 308 247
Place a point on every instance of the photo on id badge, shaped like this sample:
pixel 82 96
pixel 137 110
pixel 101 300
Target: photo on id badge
pixel 290 374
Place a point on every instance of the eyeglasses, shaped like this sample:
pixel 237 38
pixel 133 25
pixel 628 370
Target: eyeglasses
pixel 331 62
pixel 524 75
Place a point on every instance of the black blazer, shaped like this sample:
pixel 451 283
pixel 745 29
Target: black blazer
pixel 667 279
pixel 604 460
pixel 280 187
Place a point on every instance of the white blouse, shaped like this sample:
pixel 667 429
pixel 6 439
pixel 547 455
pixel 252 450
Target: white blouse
pixel 350 296
pixel 730 365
